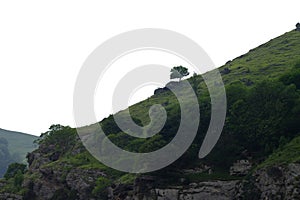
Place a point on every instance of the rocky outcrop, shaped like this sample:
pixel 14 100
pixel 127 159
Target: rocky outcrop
pixel 50 177
pixel 171 85
pixel 8 196
pixel 209 190
pixel 52 183
pixel 278 182
pixel 65 181
pixel 199 169
pixel 240 168
pixel 61 180
pixel 82 180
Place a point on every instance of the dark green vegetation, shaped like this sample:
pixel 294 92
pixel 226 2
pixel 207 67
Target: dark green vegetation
pixel 13 148
pixel 288 153
pixel 179 72
pixel 262 124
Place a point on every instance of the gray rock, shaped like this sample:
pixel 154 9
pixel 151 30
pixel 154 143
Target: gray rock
pixel 240 168
pixel 209 190
pixel 166 194
pixel 279 182
pixel 8 196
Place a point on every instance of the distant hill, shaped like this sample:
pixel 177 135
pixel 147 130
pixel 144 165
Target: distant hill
pixel 14 147
pixel 19 144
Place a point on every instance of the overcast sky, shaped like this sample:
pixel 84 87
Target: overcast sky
pixel 43 45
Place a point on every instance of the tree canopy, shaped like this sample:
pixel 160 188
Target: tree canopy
pixel 179 72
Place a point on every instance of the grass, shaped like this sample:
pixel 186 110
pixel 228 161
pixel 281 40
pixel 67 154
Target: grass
pixel 269 60
pixel 289 153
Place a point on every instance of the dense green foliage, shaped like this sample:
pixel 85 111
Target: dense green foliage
pixel 14 177
pixel 63 137
pixel 179 72
pixel 285 154
pixel 262 90
pixel 259 120
pixel 14 169
pixel 101 185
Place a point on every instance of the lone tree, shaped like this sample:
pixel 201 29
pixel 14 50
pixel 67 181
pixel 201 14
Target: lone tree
pixel 298 27
pixel 179 72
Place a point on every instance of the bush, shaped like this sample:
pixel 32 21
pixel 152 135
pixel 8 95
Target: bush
pixel 14 169
pixel 100 189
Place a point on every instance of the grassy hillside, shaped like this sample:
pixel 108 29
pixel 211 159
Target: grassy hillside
pixel 263 101
pixel 262 89
pixel 267 61
pixel 19 144
pixel 289 153
pixel 262 108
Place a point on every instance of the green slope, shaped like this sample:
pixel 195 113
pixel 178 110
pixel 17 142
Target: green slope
pixel 266 61
pixel 262 109
pixel 289 153
pixel 263 96
pixel 251 107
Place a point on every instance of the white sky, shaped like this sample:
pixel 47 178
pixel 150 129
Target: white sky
pixel 44 43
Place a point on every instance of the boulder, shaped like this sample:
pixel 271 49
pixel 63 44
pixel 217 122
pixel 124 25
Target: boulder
pixel 240 168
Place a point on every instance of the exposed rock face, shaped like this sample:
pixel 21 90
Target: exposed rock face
pixel 54 182
pixel 240 168
pixel 278 182
pixel 211 190
pixel 7 196
pixel 200 169
pixel 65 181
pixel 204 190
pixel 61 180
pixel 166 194
pixel 168 87
pixel 47 179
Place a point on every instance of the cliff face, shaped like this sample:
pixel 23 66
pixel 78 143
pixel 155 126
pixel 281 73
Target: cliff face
pixel 203 190
pixel 48 181
pixel 278 182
